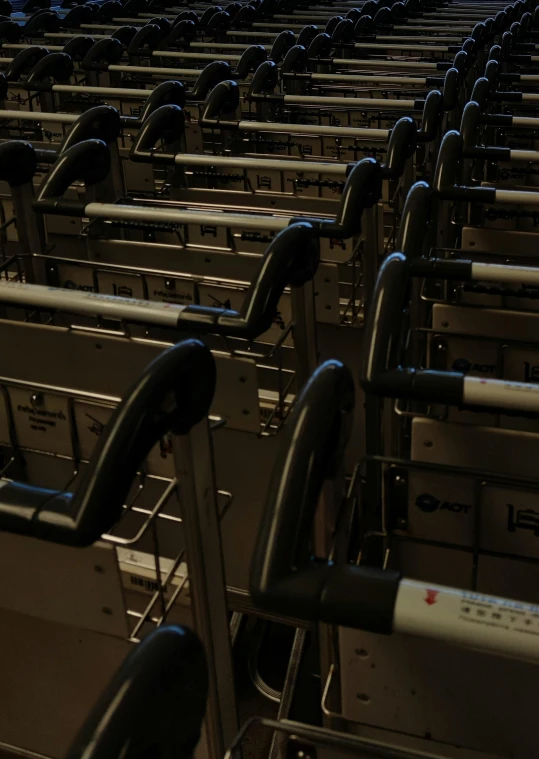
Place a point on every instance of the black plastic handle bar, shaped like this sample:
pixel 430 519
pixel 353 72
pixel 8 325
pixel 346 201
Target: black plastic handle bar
pixel 285 577
pixel 154 705
pixel 174 393
pixel 55 67
pixel 24 61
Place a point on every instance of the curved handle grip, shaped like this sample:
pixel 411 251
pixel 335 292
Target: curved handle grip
pixel 102 54
pixel 167 123
pixel 108 10
pixel 78 15
pixel 173 393
pixel 223 99
pixel 432 117
pixel 291 259
pixel 155 704
pixel 295 61
pixel 320 47
pixel 57 67
pixel 148 37
pixel 99 123
pixel 38 25
pixel 163 23
pixel 281 45
pixel 87 161
pixel 10 31
pixel 343 32
pixel 285 578
pixel 363 189
pixel 210 76
pixel 24 62
pixel 78 47
pixel 402 145
pixel 166 93
pixel 250 60
pixel 182 34
pixel 264 81
pixel 306 36
pixel 218 23
pixel 17 162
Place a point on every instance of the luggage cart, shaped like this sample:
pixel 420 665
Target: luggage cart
pixel 387 606
pixel 78 461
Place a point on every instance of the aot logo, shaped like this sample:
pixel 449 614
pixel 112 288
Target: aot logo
pixel 465 366
pixel 428 504
pixel 70 285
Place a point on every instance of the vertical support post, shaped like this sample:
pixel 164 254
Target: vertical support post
pixel 193 457
pixel 305 343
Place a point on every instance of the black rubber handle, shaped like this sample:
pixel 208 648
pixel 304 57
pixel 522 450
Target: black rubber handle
pixel 210 76
pixel 55 67
pixel 87 161
pixel 282 44
pixel 99 123
pixel 173 394
pixel 250 60
pixel 24 62
pixel 167 123
pixel 285 577
pixel 402 145
pixel 17 162
pixel 166 93
pixel 155 704
pixel 291 259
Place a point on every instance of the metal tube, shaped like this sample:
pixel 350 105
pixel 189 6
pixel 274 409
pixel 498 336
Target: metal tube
pixel 351 102
pixel 383 64
pixel 55 118
pixel 233 162
pixel 119 212
pixel 426 48
pixel 468 618
pixel 329 131
pixel 524 155
pixel 521 275
pixel 92 304
pixel 517 197
pixel 360 78
pixel 153 71
pixel 525 121
pixel 107 91
pixel 195 56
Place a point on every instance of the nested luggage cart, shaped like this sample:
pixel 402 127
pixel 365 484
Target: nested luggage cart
pixel 95 466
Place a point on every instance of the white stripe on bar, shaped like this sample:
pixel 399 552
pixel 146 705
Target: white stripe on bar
pixel 93 304
pixel 361 64
pixel 351 102
pixel 404 46
pixel 56 118
pixel 479 391
pixel 314 129
pixel 522 275
pixel 451 614
pixel 104 91
pixel 154 70
pixel 176 216
pixel 315 167
pixel 524 155
pixel 516 197
pixel 525 121
pixel 195 56
pixel 366 78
